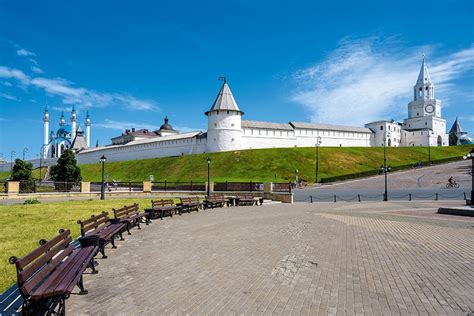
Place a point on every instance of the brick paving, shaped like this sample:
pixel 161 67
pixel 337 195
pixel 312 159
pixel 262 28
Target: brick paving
pixel 325 258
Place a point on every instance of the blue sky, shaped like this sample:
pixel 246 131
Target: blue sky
pixel 130 63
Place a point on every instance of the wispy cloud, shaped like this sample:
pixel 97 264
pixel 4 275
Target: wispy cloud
pixel 8 96
pixel 24 52
pixel 37 70
pixel 370 79
pixel 122 125
pixel 7 84
pixel 86 98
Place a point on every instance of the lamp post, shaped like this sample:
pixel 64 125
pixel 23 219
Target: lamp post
pixel 41 160
pixel 471 156
pixel 385 169
pixel 208 176
pixel 429 147
pixel 318 142
pixel 102 187
pixel 11 160
pixel 25 150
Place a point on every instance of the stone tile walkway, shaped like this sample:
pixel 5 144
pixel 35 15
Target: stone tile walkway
pixel 309 259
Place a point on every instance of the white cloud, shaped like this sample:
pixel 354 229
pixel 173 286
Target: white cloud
pixel 366 80
pixel 82 97
pixel 24 52
pixel 9 73
pixel 9 97
pixel 37 70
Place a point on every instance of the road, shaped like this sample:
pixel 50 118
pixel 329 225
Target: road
pixel 419 184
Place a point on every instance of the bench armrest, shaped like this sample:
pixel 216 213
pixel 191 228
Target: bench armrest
pixel 87 241
pixel 114 220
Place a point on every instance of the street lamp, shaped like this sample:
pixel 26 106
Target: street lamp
pixel 471 156
pixel 11 160
pixel 208 176
pixel 318 142
pixel 384 168
pixel 25 150
pixel 102 187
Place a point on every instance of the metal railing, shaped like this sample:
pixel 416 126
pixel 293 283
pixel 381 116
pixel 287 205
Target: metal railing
pixel 361 198
pixel 178 186
pixel 239 186
pixel 36 186
pixel 117 186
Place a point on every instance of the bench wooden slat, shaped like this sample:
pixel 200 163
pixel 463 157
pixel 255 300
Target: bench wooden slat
pixel 30 284
pixel 29 270
pixel 28 258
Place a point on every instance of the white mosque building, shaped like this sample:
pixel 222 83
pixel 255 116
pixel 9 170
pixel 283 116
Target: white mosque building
pixel 68 136
pixel 228 132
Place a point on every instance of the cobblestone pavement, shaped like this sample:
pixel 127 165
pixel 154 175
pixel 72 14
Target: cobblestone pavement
pixel 325 258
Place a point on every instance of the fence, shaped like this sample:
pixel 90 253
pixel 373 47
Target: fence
pixel 239 186
pixel 33 186
pixel 178 186
pixel 117 186
pixel 282 186
pixel 379 197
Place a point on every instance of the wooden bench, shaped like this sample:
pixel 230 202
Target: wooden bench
pixel 130 216
pixel 100 225
pixel 216 201
pixel 189 204
pixel 161 207
pixel 47 275
pixel 245 200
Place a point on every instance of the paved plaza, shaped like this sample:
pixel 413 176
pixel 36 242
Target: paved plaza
pixel 323 258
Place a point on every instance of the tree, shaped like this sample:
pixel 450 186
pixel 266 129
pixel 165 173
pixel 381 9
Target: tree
pixel 66 170
pixel 22 170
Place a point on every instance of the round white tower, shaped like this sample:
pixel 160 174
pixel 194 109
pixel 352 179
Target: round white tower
pixel 45 132
pixel 224 122
pixel 73 123
pixel 88 130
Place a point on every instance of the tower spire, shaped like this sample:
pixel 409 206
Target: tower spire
pixel 424 75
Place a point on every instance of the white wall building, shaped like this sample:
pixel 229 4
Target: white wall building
pixel 227 131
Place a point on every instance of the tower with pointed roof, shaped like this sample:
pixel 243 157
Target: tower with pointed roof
pixel 224 122
pixel 424 125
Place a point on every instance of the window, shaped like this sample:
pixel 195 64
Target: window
pixel 381 127
pixel 426 123
pixel 232 124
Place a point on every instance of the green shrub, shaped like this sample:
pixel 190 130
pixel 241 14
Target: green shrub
pixel 31 201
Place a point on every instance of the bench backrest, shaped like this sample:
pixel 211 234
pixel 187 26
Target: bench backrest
pixel 94 224
pixel 163 202
pixel 245 197
pixel 185 200
pixel 126 211
pixel 32 268
pixel 215 198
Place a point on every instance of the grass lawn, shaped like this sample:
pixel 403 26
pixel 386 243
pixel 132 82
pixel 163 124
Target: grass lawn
pixel 275 164
pixel 22 226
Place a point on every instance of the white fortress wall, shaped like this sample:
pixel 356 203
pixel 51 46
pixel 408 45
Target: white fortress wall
pixel 332 138
pixel 254 138
pixel 144 149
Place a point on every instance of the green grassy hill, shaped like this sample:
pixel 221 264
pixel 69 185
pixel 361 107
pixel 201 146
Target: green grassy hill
pixel 277 164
